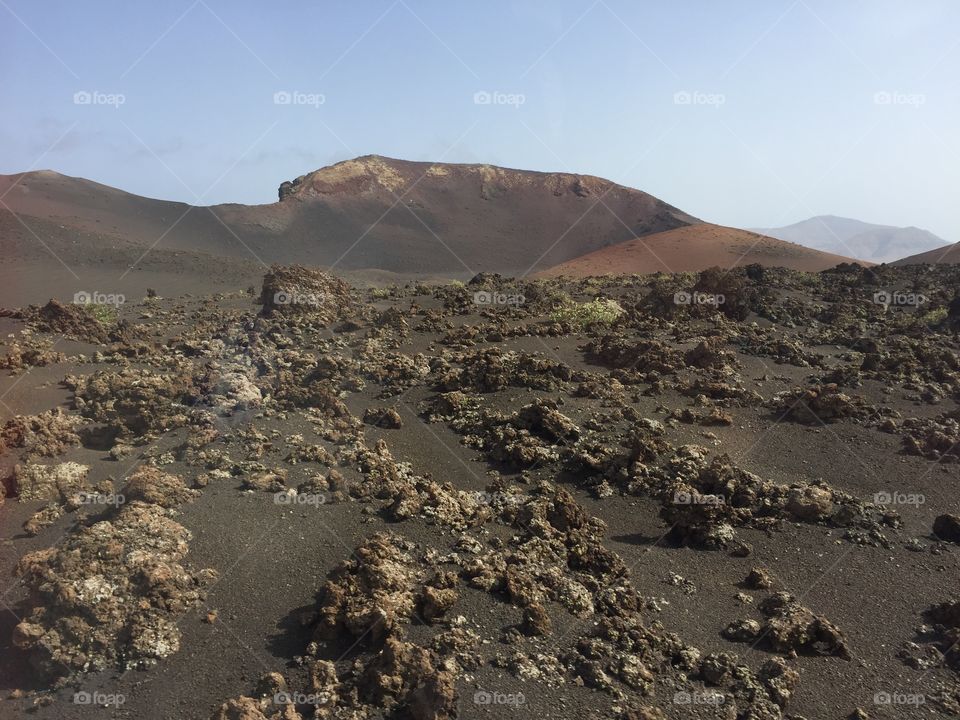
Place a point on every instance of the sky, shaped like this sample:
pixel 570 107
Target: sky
pixel 755 113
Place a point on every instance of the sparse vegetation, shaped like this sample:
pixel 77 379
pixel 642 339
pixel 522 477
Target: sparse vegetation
pixel 934 317
pixel 104 314
pixel 600 311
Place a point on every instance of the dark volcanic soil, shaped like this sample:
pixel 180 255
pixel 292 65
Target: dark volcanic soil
pixel 597 498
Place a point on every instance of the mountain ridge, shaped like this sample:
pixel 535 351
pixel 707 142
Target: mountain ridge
pixel 388 217
pixel 421 218
pixel 865 241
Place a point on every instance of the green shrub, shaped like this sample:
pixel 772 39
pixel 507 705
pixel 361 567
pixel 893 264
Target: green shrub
pixel 934 317
pixel 600 311
pixel 104 314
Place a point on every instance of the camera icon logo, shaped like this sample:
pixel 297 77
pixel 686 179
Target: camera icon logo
pixel 482 97
pixel 282 97
pixel 682 298
pixel 82 298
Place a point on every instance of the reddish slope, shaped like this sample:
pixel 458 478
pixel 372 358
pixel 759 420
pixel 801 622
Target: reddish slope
pixel 949 255
pixel 695 248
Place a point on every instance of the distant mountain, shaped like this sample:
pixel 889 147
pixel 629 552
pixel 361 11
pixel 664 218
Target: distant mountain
pixel 865 241
pixel 693 248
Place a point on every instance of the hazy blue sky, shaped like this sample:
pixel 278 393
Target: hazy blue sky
pixel 744 113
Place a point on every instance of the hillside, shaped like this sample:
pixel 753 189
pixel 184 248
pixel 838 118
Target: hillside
pixel 949 255
pixel 694 248
pixel 402 217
